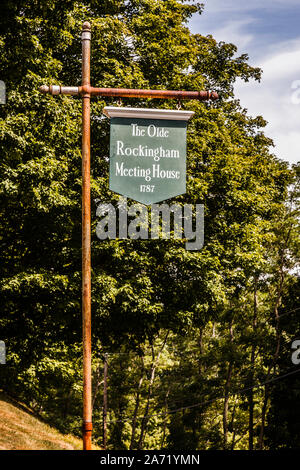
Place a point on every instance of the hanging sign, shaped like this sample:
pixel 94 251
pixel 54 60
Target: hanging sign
pixel 147 153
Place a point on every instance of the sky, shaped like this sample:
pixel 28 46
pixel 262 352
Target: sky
pixel 269 32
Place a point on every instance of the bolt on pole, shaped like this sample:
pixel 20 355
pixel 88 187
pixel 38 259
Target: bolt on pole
pixel 86 240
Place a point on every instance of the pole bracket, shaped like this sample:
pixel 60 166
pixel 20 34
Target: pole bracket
pixel 87 426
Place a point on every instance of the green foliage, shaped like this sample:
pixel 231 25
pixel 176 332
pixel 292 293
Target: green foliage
pixel 219 340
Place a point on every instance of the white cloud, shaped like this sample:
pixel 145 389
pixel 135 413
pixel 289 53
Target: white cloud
pixel 233 32
pixel 243 6
pixel 262 29
pixel 273 99
pixel 284 62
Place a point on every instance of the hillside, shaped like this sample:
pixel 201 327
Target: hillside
pixel 21 430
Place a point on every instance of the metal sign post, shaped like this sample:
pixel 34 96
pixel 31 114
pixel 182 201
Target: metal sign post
pixel 86 91
pixel 86 240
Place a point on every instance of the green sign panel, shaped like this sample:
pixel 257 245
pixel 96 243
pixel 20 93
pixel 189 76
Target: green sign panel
pixel 147 153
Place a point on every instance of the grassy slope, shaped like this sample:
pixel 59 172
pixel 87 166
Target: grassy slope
pixel 20 430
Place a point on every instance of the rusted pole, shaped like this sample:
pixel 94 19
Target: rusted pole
pixel 130 93
pixel 162 94
pixel 105 370
pixel 86 240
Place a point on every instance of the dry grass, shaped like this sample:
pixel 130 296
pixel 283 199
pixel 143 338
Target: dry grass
pixel 20 430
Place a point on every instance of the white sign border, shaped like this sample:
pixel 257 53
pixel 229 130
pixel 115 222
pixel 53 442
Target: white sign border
pixel 147 113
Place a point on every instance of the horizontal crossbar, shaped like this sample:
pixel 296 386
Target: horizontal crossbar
pixel 129 93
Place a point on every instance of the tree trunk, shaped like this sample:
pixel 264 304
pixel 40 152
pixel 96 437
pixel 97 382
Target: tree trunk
pixel 276 353
pixel 98 383
pixel 165 419
pixel 136 408
pixel 226 404
pixel 152 376
pixel 201 351
pixel 267 393
pixel 226 398
pixel 251 375
pixel 105 373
